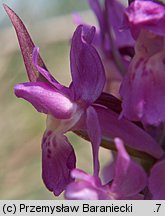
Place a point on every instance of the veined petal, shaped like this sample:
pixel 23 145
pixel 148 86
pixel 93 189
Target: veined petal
pixel 86 67
pixel 46 99
pixel 94 132
pixel 58 159
pixel 129 178
pixel 157 181
pixel 27 46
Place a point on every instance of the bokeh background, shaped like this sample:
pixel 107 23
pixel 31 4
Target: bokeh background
pixel 50 24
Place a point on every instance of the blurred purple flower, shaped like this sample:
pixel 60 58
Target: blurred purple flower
pixel 128 181
pixel 143 88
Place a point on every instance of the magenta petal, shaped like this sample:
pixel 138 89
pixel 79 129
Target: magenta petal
pixel 157 181
pixel 46 99
pixel 94 132
pixel 143 88
pixel 131 134
pixel 58 159
pixel 86 67
pixel 27 46
pixel 108 171
pixel 147 15
pixel 85 187
pixel 129 177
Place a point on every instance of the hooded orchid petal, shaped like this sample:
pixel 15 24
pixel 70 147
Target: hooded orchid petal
pixel 129 178
pixel 86 68
pixel 145 14
pixel 46 99
pixel 94 132
pixel 157 181
pixel 58 159
pixel 77 19
pixel 27 46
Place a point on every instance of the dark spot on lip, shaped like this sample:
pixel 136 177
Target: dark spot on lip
pixel 49 133
pixel 48 156
pixel 133 76
pixel 163 61
pixel 49 151
pixel 48 143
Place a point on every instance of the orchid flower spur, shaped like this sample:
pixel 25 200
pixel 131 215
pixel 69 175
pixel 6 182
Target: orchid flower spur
pixel 128 181
pixel 143 88
pixel 64 106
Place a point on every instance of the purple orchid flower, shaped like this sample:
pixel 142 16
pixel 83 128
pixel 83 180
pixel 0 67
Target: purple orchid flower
pixel 128 181
pixel 143 88
pixel 78 107
pixel 64 106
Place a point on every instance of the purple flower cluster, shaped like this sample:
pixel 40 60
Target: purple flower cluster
pixel 127 48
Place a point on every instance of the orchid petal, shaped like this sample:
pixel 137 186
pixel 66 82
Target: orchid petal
pixel 129 177
pixel 115 12
pixel 85 187
pixel 94 132
pixel 58 159
pixel 142 89
pixel 132 135
pixel 27 46
pixel 108 171
pixel 46 99
pixel 77 19
pixel 86 67
pixel 157 181
pixel 145 14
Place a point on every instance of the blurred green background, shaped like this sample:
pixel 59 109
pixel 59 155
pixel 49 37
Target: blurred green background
pixel 51 26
